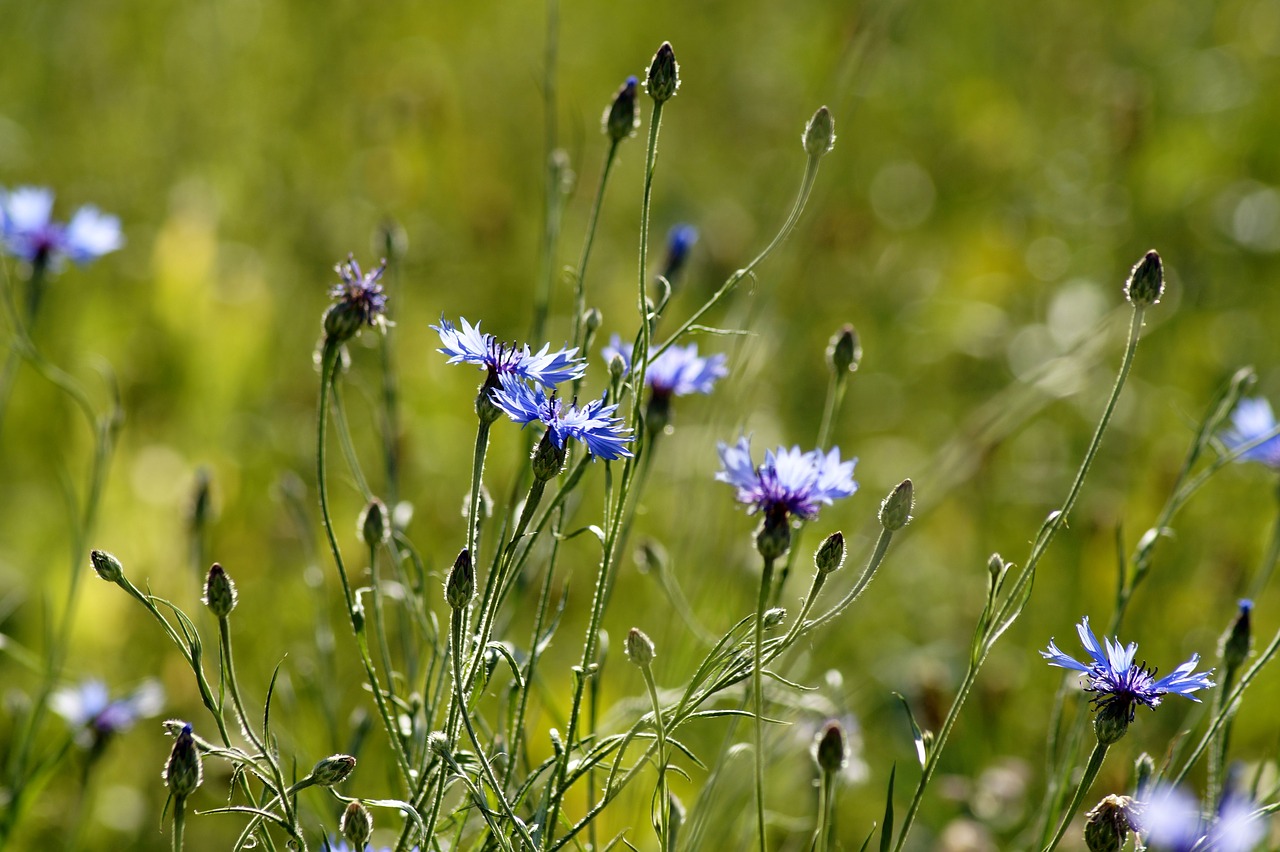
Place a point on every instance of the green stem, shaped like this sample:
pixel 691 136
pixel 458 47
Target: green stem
pixel 1018 595
pixel 328 360
pixel 664 797
pixel 757 696
pixel 179 821
pixel 580 298
pixel 1090 773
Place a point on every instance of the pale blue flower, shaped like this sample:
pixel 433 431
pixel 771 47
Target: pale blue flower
pixel 89 706
pixel 788 481
pixel 679 371
pixel 680 239
pixel 1116 681
pixel 1251 420
pixel 1171 820
pixel 591 424
pixel 28 231
pixel 468 345
pixel 358 298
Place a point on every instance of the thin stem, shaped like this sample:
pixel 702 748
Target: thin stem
pixel 1018 595
pixel 179 821
pixel 1273 554
pixel 664 797
pixel 1090 773
pixel 757 693
pixel 580 298
pixel 806 187
pixel 552 210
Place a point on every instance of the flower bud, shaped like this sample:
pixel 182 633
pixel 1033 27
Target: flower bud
pixel 106 566
pixel 622 118
pixel 774 617
pixel 1107 826
pixel 486 409
pixel 548 459
pixel 829 748
pixel 1238 638
pixel 844 352
pixel 1112 722
pixel 664 74
pixel 640 648
pixel 820 133
pixel 461 583
pixel 830 555
pixel 356 825
pixel 592 319
pixel 333 770
pixel 219 592
pixel 182 771
pixel 1143 769
pixel 1146 281
pixel 895 511
pixel 680 239
pixel 373 523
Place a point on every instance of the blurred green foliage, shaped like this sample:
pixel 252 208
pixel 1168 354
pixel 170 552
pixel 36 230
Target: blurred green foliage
pixel 997 170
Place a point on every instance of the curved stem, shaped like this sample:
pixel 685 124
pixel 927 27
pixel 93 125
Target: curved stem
pixel 1090 773
pixel 580 298
pixel 664 797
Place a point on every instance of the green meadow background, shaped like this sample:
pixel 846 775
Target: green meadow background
pixel 998 168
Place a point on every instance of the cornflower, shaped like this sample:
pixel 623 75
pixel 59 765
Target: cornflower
pixel 1118 685
pixel 680 239
pixel 468 345
pixel 1251 420
pixel 358 301
pixel 28 232
pixel 591 424
pixel 90 708
pixel 789 482
pixel 679 371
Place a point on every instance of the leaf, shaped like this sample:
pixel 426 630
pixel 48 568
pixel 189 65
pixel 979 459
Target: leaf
pixel 886 833
pixel 916 735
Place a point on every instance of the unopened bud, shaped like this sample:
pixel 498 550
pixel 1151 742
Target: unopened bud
pixel 106 566
pixel 829 748
pixel 820 133
pixel 664 74
pixel 830 555
pixel 592 320
pixel 182 771
pixel 333 770
pixel 622 118
pixel 461 583
pixel 680 240
pixel 356 825
pixel 774 617
pixel 1143 770
pixel 1238 638
pixel 373 523
pixel 895 511
pixel 548 459
pixel 844 352
pixel 1107 826
pixel 1146 281
pixel 219 592
pixel 640 648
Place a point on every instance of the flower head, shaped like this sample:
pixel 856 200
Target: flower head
pixel 679 371
pixel 591 424
pixel 789 481
pixel 468 345
pixel 358 301
pixel 1171 818
pixel 1117 683
pixel 680 240
pixel 1252 420
pixel 27 230
pixel 89 706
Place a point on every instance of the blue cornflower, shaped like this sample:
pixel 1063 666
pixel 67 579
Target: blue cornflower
pixel 1171 819
pixel 680 239
pixel 789 482
pixel 358 301
pixel 591 424
pixel 1251 420
pixel 89 707
pixel 339 845
pixel 677 372
pixel 469 345
pixel 27 230
pixel 1119 685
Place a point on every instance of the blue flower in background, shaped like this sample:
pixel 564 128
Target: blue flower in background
pixel 677 372
pixel 591 424
pixel 360 293
pixel 27 230
pixel 680 239
pixel 1116 682
pixel 468 345
pixel 1251 420
pixel 1171 819
pixel 89 706
pixel 789 481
